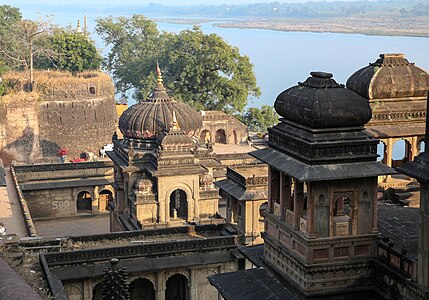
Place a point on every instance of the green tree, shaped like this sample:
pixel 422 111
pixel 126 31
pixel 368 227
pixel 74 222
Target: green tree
pixel 135 44
pixel 75 52
pixel 200 69
pixel 259 119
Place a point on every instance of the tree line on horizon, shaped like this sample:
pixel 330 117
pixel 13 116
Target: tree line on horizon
pixel 310 9
pixel 200 69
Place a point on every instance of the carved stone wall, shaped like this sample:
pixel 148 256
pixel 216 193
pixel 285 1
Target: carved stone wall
pixel 214 121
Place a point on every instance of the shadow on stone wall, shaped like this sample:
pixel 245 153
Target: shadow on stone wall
pixel 29 148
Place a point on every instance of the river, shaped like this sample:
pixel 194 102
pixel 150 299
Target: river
pixel 280 58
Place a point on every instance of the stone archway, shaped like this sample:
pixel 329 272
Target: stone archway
pixel 177 288
pixel 178 204
pixel 105 196
pixel 142 289
pixel 97 292
pixel 205 136
pixel 84 202
pixel 220 137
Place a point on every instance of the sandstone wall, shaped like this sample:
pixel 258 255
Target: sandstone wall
pixel 74 112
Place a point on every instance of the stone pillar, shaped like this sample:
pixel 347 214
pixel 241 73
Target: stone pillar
pixel 423 255
pixel 87 289
pixel 95 200
pixel 414 147
pixel 298 201
pixel 374 206
pixel 193 284
pixel 282 196
pixel 270 200
pixel 160 286
pixel 389 149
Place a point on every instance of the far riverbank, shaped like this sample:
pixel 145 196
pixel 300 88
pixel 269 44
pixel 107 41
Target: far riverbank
pixel 394 26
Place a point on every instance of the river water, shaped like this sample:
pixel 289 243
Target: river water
pixel 280 58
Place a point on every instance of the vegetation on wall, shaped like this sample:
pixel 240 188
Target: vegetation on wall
pixel 29 44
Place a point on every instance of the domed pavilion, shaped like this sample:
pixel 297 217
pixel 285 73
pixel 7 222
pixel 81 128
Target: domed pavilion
pixel 321 219
pixel 159 181
pixel 396 90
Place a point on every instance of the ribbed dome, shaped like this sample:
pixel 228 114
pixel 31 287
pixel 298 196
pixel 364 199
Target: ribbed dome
pixel 391 76
pixel 148 118
pixel 320 102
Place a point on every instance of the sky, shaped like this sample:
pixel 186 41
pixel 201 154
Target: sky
pixel 141 2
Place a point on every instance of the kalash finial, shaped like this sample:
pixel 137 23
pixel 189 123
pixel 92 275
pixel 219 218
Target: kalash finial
pixel 175 123
pixel 158 72
pixel 78 29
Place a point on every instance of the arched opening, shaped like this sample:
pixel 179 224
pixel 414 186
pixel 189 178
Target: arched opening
pixel 421 146
pixel 380 152
pixel 398 153
pixel 205 137
pixel 103 201
pixel 262 208
pixel 177 288
pixel 84 202
pixel 142 289
pixel 178 205
pixel 97 292
pixel 220 137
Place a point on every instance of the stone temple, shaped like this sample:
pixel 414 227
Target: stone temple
pixel 159 179
pixel 325 234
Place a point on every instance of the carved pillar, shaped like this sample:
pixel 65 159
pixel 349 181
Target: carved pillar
pixel 160 286
pixel 388 156
pixel 282 196
pixel 193 284
pixel 286 194
pixel 298 201
pixel 270 187
pixel 374 206
pixel 414 147
pixel 423 255
pixel 87 289
pixel 95 200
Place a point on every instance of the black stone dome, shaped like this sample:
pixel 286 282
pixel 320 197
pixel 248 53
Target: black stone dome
pixel 391 76
pixel 147 119
pixel 320 102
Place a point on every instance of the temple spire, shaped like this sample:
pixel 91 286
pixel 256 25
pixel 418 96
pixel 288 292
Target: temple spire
pixel 175 123
pixel 78 29
pixel 158 72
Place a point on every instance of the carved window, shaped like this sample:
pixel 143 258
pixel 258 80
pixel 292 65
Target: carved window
pixel 92 90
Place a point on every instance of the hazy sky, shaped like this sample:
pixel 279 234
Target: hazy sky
pixel 141 2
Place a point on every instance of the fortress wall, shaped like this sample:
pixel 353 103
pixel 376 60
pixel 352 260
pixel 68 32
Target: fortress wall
pixel 76 124
pixel 74 112
pixel 19 125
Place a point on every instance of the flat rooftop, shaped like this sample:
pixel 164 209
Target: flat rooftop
pixel 400 225
pixel 247 171
pixel 229 149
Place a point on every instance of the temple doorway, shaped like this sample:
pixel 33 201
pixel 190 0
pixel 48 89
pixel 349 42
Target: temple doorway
pixel 142 289
pixel 84 202
pixel 220 136
pixel 178 205
pixel 177 288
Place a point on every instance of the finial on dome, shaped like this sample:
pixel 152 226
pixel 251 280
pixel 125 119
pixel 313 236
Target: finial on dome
pixel 78 29
pixel 175 123
pixel 158 72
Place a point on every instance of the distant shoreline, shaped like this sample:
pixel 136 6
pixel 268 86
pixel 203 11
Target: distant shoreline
pixel 365 26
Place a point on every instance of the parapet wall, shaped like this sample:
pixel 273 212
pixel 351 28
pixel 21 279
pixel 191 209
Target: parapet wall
pixel 76 112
